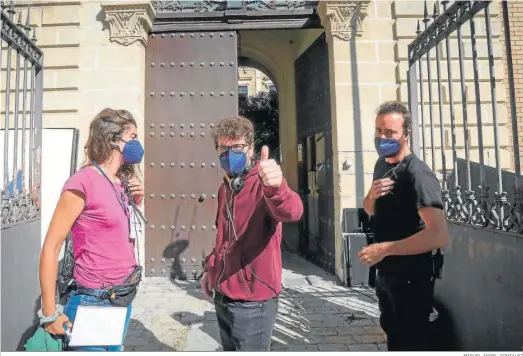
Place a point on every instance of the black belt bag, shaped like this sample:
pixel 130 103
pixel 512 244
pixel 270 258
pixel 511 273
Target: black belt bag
pixel 124 294
pixel 120 295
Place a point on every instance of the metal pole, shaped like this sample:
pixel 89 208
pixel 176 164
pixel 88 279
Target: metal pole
pixel 464 105
pixel 494 110
pixel 511 90
pixel 413 104
pixel 31 128
pixel 431 116
pixel 440 107
pixel 478 101
pixel 24 107
pixel 451 107
pixel 418 31
pixel 17 107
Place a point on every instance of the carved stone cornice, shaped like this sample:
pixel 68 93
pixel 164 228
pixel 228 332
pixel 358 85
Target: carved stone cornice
pixel 129 22
pixel 343 19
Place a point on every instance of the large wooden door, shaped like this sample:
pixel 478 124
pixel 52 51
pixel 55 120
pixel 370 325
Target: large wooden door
pixel 315 170
pixel 191 82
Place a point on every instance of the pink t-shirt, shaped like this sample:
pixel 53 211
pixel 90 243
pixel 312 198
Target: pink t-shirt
pixel 103 251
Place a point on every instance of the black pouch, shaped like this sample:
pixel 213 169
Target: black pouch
pixel 124 294
pixel 65 279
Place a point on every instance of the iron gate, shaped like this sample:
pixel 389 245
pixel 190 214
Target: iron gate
pixel 191 81
pixel 22 124
pixel 315 170
pixel 466 185
pixel 21 63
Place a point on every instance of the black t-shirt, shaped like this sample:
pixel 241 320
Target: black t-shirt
pixel 396 215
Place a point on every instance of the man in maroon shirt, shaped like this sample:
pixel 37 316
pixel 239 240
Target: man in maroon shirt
pixel 245 269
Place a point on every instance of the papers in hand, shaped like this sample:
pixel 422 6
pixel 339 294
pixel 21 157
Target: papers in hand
pixel 98 326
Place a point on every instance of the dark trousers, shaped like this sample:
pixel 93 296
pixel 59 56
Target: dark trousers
pixel 245 326
pixel 405 307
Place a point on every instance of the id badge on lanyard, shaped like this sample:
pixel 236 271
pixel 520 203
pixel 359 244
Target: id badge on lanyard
pixel 136 226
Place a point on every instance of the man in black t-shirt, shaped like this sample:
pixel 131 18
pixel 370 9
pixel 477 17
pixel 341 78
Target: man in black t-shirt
pixel 409 223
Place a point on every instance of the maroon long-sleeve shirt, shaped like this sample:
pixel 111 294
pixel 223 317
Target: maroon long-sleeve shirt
pixel 247 265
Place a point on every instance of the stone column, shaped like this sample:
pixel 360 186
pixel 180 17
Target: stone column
pixel 112 62
pixel 362 74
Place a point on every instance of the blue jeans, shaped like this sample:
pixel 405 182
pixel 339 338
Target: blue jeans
pixel 75 300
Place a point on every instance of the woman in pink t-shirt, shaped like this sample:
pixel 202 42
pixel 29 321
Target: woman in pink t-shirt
pixel 94 207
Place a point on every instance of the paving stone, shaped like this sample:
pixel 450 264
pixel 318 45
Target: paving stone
pixel 136 341
pixel 202 337
pixel 367 339
pixel 175 316
pixel 295 348
pixel 333 347
pixel 339 339
pixel 371 330
pixel 350 330
pixel 323 331
pixel 191 318
pixel 363 347
pixel 279 347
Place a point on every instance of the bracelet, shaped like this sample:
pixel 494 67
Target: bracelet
pixel 50 318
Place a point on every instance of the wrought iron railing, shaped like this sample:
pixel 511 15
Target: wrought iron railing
pixel 22 110
pixel 464 202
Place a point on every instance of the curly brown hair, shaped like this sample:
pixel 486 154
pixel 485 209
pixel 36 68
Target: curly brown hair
pixel 234 127
pixel 108 126
pixel 396 107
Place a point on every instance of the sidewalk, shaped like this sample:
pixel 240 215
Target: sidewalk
pixel 314 315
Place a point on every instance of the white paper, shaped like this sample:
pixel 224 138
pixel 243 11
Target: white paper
pixel 98 326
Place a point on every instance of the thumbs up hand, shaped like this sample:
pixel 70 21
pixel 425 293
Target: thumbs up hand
pixel 269 171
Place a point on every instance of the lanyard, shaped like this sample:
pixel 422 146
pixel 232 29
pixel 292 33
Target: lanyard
pixel 120 200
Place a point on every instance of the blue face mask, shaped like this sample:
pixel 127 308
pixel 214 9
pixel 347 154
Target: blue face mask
pixel 387 147
pixel 233 162
pixel 132 152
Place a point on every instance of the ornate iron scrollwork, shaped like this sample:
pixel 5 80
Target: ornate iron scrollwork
pixel 446 23
pixel 457 208
pixel 514 219
pixel 218 5
pixel 483 210
pixel 15 35
pixel 188 6
pixel 17 209
pixel 445 198
pixel 499 209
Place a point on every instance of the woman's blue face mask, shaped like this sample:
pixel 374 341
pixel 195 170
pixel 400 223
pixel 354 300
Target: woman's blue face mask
pixel 132 152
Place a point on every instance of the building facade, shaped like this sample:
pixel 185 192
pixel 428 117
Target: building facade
pixel 332 64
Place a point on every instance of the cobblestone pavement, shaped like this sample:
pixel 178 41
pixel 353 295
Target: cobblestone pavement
pixel 315 314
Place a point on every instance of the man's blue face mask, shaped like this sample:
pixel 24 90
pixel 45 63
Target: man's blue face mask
pixel 387 147
pixel 233 162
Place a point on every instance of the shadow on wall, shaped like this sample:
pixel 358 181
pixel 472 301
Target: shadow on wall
pixel 172 253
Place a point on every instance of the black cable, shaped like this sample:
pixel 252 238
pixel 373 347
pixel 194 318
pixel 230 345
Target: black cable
pixel 236 238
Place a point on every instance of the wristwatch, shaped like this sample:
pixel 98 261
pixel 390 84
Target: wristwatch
pixel 50 318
